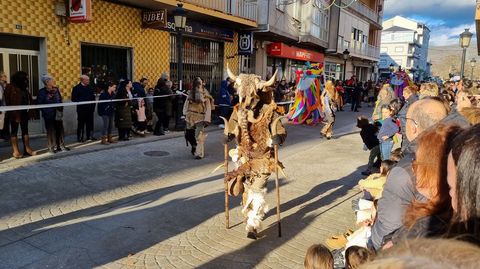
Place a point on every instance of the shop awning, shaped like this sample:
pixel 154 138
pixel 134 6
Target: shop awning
pixel 281 50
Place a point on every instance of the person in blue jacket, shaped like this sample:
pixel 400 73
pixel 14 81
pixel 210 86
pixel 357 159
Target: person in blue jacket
pixel 53 116
pixel 224 101
pixel 106 110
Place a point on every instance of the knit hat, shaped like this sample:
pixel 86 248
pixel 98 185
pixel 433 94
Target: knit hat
pixel 46 78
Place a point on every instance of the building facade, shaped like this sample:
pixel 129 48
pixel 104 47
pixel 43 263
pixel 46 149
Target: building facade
pixel 289 34
pixel 36 37
pixel 355 27
pixel 405 44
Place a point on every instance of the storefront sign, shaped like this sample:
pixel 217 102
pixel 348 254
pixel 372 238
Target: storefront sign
pixel 154 19
pixel 245 43
pixel 194 28
pixel 80 10
pixel 283 51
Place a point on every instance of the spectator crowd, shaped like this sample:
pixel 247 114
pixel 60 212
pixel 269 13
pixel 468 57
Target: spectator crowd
pixel 420 204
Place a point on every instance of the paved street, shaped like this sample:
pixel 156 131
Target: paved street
pixel 120 208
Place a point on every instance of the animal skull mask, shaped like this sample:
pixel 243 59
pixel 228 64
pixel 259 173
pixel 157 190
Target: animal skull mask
pixel 247 86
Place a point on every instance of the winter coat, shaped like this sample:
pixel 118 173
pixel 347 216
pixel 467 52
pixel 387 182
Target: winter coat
pixel 138 90
pixel 224 97
pixel 402 114
pixel 107 108
pixel 123 111
pixel 15 96
pixel 49 97
pixel 141 116
pixel 81 93
pixel 368 134
pixel 398 193
pixel 389 128
pixel 163 104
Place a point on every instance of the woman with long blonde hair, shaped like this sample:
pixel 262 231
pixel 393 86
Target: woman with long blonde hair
pixel 385 96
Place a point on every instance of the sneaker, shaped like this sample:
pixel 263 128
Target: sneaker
pixel 221 126
pixel 146 132
pixel 166 131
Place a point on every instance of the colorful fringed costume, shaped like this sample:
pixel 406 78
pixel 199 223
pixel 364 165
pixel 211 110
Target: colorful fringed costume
pixel 399 80
pixel 255 124
pixel 307 106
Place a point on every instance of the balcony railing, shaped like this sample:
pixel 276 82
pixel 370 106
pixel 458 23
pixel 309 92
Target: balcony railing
pixel 359 49
pixel 246 9
pixel 364 10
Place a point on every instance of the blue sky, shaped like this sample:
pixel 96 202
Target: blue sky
pixel 445 18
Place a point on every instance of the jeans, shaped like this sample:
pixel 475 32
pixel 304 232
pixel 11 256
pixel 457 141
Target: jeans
pixel 386 148
pixel 374 154
pixel 107 125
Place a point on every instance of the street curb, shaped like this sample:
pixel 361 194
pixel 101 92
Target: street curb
pixel 85 148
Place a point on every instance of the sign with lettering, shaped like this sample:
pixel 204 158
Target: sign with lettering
pixel 281 50
pixel 80 10
pixel 154 19
pixel 245 43
pixel 194 28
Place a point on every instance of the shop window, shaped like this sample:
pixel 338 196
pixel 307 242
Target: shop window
pixel 106 63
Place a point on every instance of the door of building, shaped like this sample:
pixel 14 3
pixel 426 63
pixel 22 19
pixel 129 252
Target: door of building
pixel 13 60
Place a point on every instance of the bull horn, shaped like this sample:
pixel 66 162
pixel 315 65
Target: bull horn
pixel 230 73
pixel 270 82
pixel 274 124
pixel 225 121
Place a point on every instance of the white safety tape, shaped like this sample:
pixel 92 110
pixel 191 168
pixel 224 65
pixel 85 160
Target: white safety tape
pixel 27 107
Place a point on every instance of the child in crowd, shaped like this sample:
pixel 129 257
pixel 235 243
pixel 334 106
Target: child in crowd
pixel 386 133
pixel 370 140
pixel 141 117
pixel 355 256
pixel 318 257
pixel 373 184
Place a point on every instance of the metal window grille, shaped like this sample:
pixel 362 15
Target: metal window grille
pixel 201 58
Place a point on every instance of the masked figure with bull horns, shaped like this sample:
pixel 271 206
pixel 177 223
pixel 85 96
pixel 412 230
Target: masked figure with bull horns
pixel 255 125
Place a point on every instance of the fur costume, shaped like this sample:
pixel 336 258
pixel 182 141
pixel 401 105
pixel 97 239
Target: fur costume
pixel 252 123
pixel 197 110
pixel 329 98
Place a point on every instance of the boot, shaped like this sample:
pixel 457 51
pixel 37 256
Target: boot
pixel 15 152
pixel 110 139
pixel 105 140
pixel 200 152
pixel 27 150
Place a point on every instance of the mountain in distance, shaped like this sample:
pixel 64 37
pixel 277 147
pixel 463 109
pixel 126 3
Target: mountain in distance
pixel 447 59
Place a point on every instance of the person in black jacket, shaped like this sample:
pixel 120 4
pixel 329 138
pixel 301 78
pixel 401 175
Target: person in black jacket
pixel 80 93
pixel 369 137
pixel 161 105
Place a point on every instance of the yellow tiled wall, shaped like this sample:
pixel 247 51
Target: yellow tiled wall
pixel 231 49
pixel 112 24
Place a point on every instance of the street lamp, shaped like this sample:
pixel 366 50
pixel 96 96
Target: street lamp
pixel 472 64
pixel 465 39
pixel 346 55
pixel 180 16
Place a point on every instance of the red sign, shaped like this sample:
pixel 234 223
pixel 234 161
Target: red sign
pixel 80 10
pixel 283 51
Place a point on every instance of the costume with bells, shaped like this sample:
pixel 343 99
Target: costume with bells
pixel 197 110
pixel 256 125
